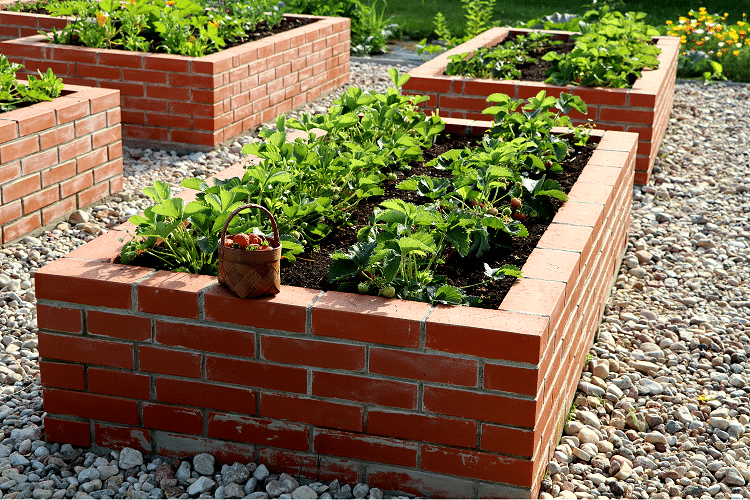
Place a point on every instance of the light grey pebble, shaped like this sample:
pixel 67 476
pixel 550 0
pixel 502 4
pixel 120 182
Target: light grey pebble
pixel 203 464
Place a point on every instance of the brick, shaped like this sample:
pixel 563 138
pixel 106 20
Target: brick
pixel 92 195
pixel 89 124
pixel 34 119
pixel 118 437
pixel 365 390
pixel 479 406
pixel 286 311
pixel 628 116
pixel 40 199
pixel 169 361
pixel 119 383
pixel 486 333
pixel 311 465
pixel 508 440
pixel 311 411
pixel 21 226
pixel 426 428
pixel 21 188
pixel 10 211
pixel 91 160
pixel 107 171
pixel 484 466
pixel 172 418
pixel 419 366
pixel 85 350
pixel 58 210
pixel 172 294
pixel 204 395
pixel 383 450
pixel 515 379
pixel 119 326
pixel 173 445
pixel 392 322
pixel 205 338
pixel 62 319
pixel 256 374
pixel 39 161
pixel 94 406
pixel 75 149
pixel 62 375
pixel 418 483
pixel 56 137
pixel 59 430
pixel 312 353
pixel 10 171
pixel 256 430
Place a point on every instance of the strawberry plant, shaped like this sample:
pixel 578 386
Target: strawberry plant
pixel 502 61
pixel 611 52
pixel 494 187
pixel 311 186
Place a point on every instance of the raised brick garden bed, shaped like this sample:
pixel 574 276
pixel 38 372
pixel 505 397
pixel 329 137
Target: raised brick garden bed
pixel 643 109
pixel 22 24
pixel 198 103
pixel 58 156
pixel 443 401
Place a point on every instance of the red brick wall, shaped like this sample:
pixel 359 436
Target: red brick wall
pixel 643 109
pixel 201 102
pixel 442 401
pixel 58 156
pixel 21 24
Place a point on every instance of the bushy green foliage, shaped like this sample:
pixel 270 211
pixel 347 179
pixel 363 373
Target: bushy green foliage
pixel 502 61
pixel 370 29
pixel 611 52
pixel 14 95
pixel 181 27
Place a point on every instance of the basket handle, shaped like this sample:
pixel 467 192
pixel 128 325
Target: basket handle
pixel 275 242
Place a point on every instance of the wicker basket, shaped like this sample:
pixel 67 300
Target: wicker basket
pixel 250 273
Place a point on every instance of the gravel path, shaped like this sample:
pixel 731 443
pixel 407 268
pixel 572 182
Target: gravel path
pixel 663 404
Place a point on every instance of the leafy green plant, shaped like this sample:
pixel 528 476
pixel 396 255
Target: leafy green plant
pixel 308 185
pixel 170 26
pixel 370 28
pixel 477 13
pixel 14 95
pixel 493 188
pixel 501 61
pixel 611 52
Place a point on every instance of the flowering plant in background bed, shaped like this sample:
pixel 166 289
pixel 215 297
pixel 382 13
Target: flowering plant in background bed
pixel 312 185
pixel 14 95
pixel 179 27
pixel 711 48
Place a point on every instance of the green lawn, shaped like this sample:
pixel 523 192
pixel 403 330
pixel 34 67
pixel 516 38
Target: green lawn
pixel 415 16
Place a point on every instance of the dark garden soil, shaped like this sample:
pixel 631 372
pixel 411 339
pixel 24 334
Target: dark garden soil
pixel 535 72
pixel 311 268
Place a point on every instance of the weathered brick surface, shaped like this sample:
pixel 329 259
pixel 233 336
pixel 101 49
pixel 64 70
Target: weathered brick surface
pixel 45 146
pixel 199 102
pixel 643 109
pixel 428 391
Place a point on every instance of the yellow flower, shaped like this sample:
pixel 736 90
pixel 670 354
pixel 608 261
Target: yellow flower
pixel 215 24
pixel 169 3
pixel 726 14
pixel 101 18
pixel 191 39
pixel 669 23
pixel 740 23
pixel 736 52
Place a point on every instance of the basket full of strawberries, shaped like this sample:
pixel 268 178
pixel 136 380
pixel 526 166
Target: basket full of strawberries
pixel 249 264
